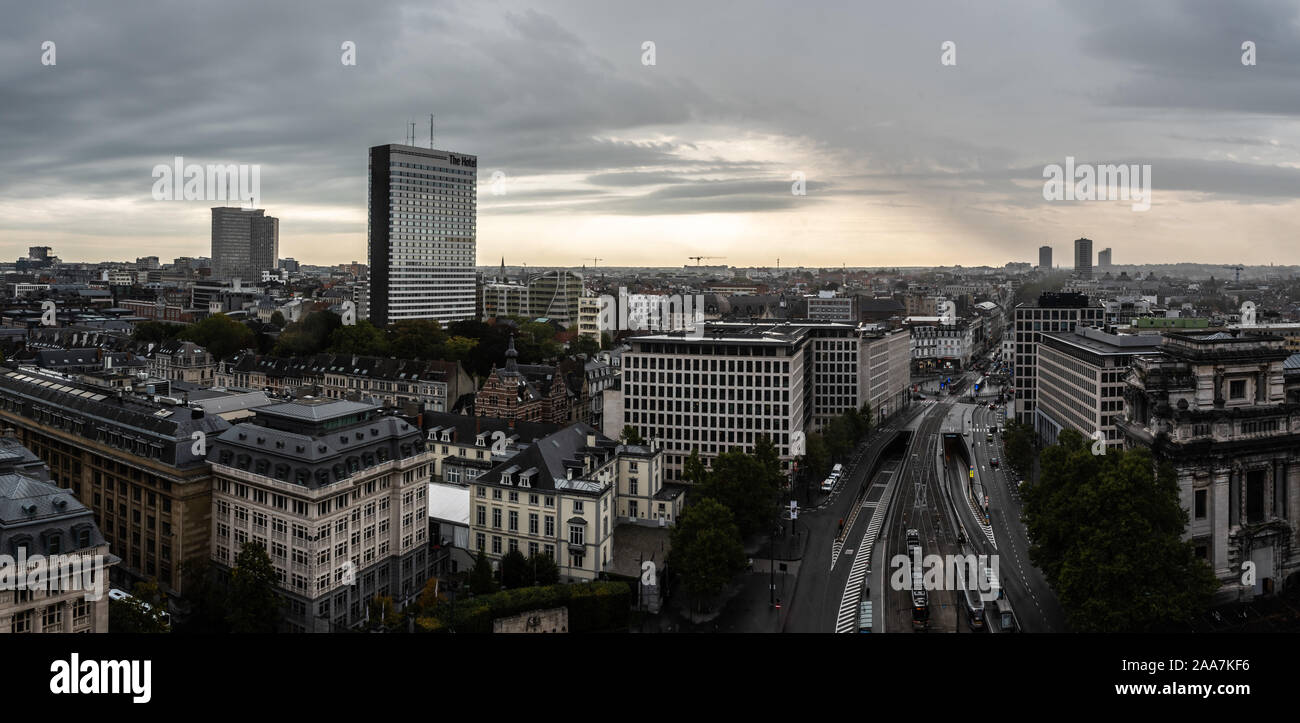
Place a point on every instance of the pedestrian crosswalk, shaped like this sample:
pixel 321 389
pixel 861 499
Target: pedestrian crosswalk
pixel 847 618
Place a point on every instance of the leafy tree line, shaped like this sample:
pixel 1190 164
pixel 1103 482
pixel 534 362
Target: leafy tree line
pixel 248 602
pixel 836 440
pixel 1019 445
pixel 738 496
pixel 1106 530
pixel 479 346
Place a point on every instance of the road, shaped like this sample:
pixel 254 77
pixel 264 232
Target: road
pixel 920 504
pixel 829 556
pixel 1032 598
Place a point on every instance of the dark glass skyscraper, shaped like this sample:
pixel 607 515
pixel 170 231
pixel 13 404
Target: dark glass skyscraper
pixel 422 230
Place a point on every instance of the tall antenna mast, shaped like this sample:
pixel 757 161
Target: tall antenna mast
pixel 430 131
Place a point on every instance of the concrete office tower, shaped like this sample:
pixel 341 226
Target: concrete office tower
pixel 1103 259
pixel 422 234
pixel 245 242
pixel 1045 258
pixel 1083 258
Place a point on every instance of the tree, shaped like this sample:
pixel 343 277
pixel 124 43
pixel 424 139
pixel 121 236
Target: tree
pixel 277 318
pixel 694 470
pixel 706 548
pixel 417 339
pixel 383 614
pixel 144 612
pixel 206 598
pixel 458 348
pixel 514 570
pixel 584 345
pixel 481 580
pixel 361 338
pixel 746 484
pixel 1106 530
pixel 254 602
pixel 816 458
pixel 311 335
pixel 543 569
pixel 221 335
pixel 155 332
pixel 631 435
pixel 1018 441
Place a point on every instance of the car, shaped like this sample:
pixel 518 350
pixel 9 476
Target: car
pixel 994 462
pixel 828 484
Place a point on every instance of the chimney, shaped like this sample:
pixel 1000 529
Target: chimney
pixel 196 413
pixel 591 439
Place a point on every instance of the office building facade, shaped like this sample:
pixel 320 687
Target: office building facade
pixel 1045 258
pixel 740 381
pixel 337 495
pixel 1081 381
pixel 1083 258
pixel 245 242
pixel 422 234
pixel 1051 312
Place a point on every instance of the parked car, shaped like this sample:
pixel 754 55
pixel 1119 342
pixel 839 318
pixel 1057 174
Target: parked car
pixel 994 462
pixel 828 484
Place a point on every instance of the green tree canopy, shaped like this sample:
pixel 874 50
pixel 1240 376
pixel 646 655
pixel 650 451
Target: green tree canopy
pixel 746 484
pixel 631 435
pixel 543 569
pixel 207 599
pixel 706 548
pixel 221 335
pixel 1106 530
pixel 361 338
pixel 514 570
pixel 155 332
pixel 1018 442
pixel 254 601
pixel 482 580
pixel 417 339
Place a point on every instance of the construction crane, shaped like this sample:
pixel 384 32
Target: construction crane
pixel 699 258
pixel 595 261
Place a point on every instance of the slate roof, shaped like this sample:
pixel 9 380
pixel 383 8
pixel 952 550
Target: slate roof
pixel 552 457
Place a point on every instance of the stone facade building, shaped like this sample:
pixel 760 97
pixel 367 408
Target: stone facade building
pixel 1223 410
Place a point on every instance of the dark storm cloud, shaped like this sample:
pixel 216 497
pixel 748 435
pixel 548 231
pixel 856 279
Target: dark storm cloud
pixel 555 96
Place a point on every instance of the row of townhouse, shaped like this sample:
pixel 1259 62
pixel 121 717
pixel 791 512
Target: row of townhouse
pixel 428 385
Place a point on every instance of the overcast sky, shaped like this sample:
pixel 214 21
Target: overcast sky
pixel 907 161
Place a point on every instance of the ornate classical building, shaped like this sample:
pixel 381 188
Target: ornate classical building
pixel 1222 408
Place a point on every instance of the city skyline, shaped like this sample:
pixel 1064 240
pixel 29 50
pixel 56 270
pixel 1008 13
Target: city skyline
pixel 604 156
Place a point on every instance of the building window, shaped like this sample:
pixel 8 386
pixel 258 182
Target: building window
pixel 1237 389
pixel 1201 496
pixel 576 534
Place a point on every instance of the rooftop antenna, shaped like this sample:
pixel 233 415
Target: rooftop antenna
pixel 430 131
